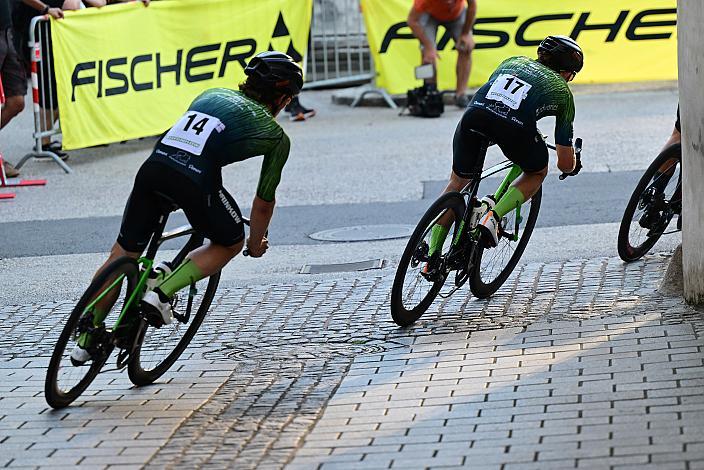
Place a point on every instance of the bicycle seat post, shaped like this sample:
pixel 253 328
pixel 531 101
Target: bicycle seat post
pixel 167 206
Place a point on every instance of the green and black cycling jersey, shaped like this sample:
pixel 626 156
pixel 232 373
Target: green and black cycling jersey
pixel 523 91
pixel 224 126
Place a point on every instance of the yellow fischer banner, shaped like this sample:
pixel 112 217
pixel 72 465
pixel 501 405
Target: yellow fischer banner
pixel 623 40
pixel 126 71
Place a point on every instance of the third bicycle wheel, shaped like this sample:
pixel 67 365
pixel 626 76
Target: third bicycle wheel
pixel 654 202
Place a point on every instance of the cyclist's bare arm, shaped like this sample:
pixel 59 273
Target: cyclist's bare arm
pixel 259 223
pixel 565 158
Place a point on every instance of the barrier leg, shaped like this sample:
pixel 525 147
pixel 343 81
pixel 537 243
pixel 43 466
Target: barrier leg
pixel 44 153
pixel 368 89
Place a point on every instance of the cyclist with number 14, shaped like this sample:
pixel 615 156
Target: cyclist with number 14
pixel 221 126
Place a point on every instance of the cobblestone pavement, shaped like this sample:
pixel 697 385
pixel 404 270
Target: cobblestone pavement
pixel 574 364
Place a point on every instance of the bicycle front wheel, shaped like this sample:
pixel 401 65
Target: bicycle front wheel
pixel 492 266
pixel 159 348
pixel 67 378
pixel 654 202
pixel 419 276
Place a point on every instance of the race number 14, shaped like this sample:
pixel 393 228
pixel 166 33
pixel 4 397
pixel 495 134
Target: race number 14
pixel 192 131
pixel 509 89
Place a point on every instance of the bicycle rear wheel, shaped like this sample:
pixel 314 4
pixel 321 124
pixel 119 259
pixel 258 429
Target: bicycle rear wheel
pixel 159 348
pixel 655 200
pixel 413 289
pixel 492 266
pixel 65 379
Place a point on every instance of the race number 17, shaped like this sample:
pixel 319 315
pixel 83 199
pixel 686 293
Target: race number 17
pixel 509 90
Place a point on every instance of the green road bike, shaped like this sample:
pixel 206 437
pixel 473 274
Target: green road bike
pixel 420 277
pixel 108 317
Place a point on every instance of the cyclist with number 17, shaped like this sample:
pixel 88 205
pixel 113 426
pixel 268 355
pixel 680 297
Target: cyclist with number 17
pixel 505 110
pixel 221 126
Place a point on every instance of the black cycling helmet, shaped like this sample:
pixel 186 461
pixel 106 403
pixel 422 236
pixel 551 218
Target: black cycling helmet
pixel 565 53
pixel 276 70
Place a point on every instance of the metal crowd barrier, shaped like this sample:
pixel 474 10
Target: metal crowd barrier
pixel 44 98
pixel 338 52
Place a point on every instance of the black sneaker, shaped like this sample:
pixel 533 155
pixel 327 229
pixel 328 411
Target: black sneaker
pixel 54 147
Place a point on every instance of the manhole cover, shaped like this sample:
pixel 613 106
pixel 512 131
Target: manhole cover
pixel 316 349
pixel 342 267
pixel 361 233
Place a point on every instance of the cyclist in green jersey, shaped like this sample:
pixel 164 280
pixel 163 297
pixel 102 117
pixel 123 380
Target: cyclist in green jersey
pixel 220 127
pixel 505 110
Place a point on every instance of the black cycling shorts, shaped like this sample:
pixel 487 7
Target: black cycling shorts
pixel 522 146
pixel 214 214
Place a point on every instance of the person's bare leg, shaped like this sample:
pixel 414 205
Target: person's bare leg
pixel 12 107
pixel 455 184
pixel 529 183
pixel 463 68
pixel 211 258
pixel 439 231
pixel 199 264
pixel 668 167
pixel 116 252
pixel 49 120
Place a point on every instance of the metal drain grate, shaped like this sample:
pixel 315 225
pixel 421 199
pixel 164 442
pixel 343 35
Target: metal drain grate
pixel 343 267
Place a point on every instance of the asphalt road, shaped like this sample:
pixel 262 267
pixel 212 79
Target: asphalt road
pixel 589 198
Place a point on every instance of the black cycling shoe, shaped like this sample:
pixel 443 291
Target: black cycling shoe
pixel 432 271
pixel 649 219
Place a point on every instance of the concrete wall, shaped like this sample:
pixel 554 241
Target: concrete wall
pixel 690 16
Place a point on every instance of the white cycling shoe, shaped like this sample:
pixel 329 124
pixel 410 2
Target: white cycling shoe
pixel 158 313
pixel 158 274
pixel 79 356
pixel 489 229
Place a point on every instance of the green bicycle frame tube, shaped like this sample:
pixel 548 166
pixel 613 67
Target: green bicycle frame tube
pixel 513 173
pixel 147 265
pixel 146 269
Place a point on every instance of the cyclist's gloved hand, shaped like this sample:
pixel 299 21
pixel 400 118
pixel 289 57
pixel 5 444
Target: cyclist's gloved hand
pixel 578 161
pixel 257 250
pixel 577 167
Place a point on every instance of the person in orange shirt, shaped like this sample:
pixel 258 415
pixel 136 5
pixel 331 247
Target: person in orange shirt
pixel 458 19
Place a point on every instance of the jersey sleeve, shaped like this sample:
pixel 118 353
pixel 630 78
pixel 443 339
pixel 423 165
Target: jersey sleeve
pixel 272 166
pixel 564 131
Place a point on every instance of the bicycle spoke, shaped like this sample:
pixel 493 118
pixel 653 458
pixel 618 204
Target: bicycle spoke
pixel 159 343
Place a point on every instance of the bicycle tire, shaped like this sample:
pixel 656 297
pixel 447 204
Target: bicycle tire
pixel 140 376
pixel 55 397
pixel 626 251
pixel 483 289
pixel 401 315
